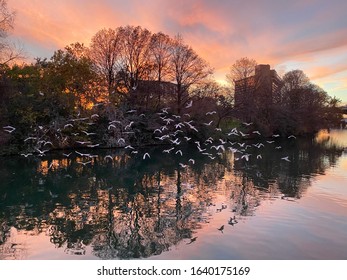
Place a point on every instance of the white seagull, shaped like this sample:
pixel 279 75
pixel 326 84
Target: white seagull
pixel 211 113
pixel 208 124
pixel 146 155
pixel 179 152
pixel 84 163
pixel 190 104
pixel 286 158
pixel 168 150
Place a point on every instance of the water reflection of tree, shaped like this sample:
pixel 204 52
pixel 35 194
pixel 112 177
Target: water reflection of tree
pixel 131 209
pixel 308 159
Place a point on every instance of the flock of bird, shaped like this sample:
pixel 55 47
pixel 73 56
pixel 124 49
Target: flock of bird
pixel 173 131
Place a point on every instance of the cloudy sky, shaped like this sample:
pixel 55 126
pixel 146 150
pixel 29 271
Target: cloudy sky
pixel 310 35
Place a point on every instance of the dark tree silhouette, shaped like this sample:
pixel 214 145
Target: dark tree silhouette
pixel 105 53
pixel 188 69
pixel 8 51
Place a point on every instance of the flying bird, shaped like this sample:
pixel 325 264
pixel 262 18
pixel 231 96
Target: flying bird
pixel 82 155
pixel 208 124
pixel 9 128
pixel 168 150
pixel 247 124
pixel 146 155
pixel 129 126
pixel 93 145
pixel 108 156
pixel 192 240
pixel 286 158
pixel 88 133
pixel 26 155
pixel 68 125
pixel 221 228
pixel 190 104
pixel 83 142
pixel 211 113
pixel 179 152
pixel 29 138
pixel 84 163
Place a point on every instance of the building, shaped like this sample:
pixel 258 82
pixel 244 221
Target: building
pixel 260 89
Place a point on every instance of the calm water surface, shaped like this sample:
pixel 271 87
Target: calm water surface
pixel 166 207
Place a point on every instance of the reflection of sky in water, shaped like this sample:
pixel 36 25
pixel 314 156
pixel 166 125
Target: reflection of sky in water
pixel 310 228
pixel 283 210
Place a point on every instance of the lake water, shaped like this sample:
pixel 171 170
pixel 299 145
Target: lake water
pixel 222 206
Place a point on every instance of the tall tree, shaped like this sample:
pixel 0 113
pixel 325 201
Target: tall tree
pixel 8 52
pixel 293 84
pixel 295 79
pixel 160 46
pixel 241 69
pixel 105 53
pixel 188 69
pixel 134 53
pixel 244 84
pixel 304 107
pixel 71 71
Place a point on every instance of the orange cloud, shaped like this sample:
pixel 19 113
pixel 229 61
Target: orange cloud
pixel 271 32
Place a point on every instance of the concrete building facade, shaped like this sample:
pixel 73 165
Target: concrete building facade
pixel 263 87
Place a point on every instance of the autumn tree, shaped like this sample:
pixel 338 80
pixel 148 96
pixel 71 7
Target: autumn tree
pixel 70 71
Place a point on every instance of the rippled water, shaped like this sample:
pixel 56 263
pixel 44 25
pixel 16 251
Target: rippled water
pixel 166 207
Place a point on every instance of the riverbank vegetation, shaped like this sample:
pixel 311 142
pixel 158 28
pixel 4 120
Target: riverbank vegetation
pixel 116 91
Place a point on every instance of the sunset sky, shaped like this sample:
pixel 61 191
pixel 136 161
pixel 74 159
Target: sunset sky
pixel 310 35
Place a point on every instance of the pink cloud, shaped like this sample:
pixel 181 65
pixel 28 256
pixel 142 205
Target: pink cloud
pixel 272 32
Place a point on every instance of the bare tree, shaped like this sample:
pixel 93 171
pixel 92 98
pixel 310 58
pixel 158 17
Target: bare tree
pixel 134 53
pixel 295 79
pixel 188 69
pixel 105 53
pixel 244 83
pixel 8 51
pixel 160 46
pixel 241 69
